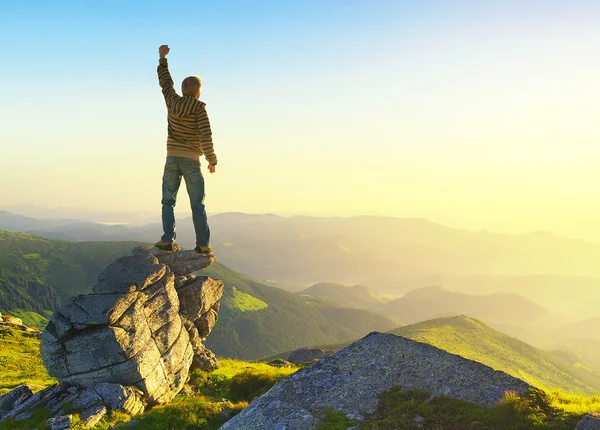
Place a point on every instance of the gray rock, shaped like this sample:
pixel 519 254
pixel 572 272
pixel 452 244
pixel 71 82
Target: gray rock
pixel 24 416
pixel 64 399
pixel 180 262
pixel 167 334
pixel 418 419
pixel 13 398
pixel 206 322
pixel 203 358
pixel 153 250
pixel 261 417
pixel 129 274
pixel 351 380
pixel 589 422
pixel 307 355
pixel 130 372
pixel 60 423
pixel 120 398
pixel 25 405
pixel 92 416
pixel 130 331
pixel 96 309
pixel 199 296
pixel 183 280
pixel 87 399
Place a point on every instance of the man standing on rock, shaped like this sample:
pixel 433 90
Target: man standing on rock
pixel 189 136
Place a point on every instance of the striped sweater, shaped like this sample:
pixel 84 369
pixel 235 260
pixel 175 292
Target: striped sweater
pixel 189 133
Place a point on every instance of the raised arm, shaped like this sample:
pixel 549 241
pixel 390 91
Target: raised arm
pixel 206 142
pixel 164 77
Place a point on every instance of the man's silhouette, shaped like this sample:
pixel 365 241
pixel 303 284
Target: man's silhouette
pixel 189 136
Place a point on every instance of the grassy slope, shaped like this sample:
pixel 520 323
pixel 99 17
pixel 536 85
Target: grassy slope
pixel 20 360
pixel 476 341
pixel 214 396
pixel 36 274
pixel 256 320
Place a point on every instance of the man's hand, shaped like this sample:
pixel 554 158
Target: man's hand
pixel 212 167
pixel 163 50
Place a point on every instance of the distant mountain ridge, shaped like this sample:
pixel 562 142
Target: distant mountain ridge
pixel 355 296
pixel 361 249
pixel 433 302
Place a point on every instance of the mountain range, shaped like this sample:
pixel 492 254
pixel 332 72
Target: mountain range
pixel 390 255
pixel 37 274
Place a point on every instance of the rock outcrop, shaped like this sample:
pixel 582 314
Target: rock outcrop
pixel 589 422
pixel 136 336
pixel 308 355
pixel 351 380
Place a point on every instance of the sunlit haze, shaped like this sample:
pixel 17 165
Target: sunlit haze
pixel 475 114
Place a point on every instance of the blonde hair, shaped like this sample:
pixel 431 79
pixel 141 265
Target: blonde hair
pixel 191 85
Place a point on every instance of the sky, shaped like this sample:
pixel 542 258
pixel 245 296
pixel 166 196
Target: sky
pixel 476 114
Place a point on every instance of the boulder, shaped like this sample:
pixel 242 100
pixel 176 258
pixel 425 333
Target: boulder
pixel 199 296
pixel 8 319
pixel 14 398
pixel 589 422
pixel 60 423
pixel 92 416
pixel 351 380
pixel 308 355
pixel 181 263
pixel 131 339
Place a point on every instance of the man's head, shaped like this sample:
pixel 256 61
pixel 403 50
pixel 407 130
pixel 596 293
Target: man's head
pixel 191 86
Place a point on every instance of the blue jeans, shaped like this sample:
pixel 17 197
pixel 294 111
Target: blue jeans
pixel 175 168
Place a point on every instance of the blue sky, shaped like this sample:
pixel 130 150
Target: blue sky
pixel 316 106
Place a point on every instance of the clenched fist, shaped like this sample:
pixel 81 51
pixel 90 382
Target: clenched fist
pixel 163 50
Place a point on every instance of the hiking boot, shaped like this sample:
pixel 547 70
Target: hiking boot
pixel 165 246
pixel 204 249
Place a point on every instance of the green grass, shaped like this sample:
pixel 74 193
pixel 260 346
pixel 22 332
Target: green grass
pixel 238 381
pixel 243 302
pixel 30 318
pixel 398 408
pixel 476 341
pixel 20 361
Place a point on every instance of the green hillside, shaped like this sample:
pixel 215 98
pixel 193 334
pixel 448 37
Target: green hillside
pixel 476 341
pixel 256 320
pixel 37 274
